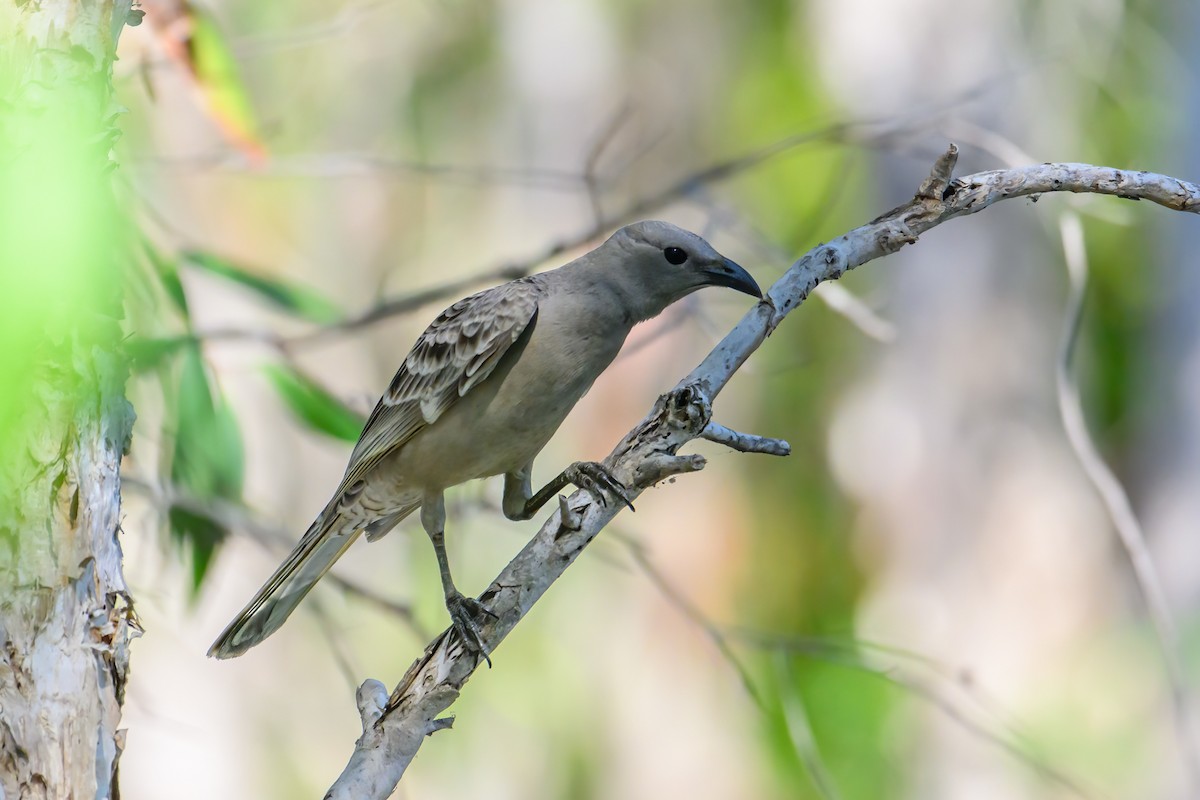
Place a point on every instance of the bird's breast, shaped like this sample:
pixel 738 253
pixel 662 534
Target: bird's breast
pixel 502 423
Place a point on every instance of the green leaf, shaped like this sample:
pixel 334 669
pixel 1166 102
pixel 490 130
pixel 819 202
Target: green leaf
pixel 297 300
pixel 168 272
pixel 201 536
pixel 207 461
pixel 314 406
pixel 147 354
pixel 221 83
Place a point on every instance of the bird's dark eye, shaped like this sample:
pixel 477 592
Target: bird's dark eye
pixel 676 255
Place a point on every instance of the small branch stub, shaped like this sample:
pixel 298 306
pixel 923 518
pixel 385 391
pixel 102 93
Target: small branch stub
pixel 372 698
pixel 935 186
pixel 745 442
pixel 570 517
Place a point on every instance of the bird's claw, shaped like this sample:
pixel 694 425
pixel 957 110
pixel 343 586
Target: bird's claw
pixel 596 478
pixel 464 611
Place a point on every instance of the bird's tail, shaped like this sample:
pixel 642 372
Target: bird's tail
pixel 323 544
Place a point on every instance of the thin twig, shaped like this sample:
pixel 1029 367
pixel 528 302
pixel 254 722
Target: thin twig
pixel 238 519
pixel 591 175
pixel 1103 479
pixel 689 186
pixel 797 725
pixel 338 648
pixel 693 614
pixel 800 731
pixel 744 442
pixel 849 656
pixel 837 297
pixel 1116 500
pixel 341 165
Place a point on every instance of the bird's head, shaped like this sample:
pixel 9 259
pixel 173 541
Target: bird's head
pixel 667 263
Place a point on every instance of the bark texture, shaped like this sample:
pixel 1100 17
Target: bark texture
pixel 66 619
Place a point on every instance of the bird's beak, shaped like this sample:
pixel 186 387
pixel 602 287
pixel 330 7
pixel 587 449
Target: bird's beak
pixel 727 273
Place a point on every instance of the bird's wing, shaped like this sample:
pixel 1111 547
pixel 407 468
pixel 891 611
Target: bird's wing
pixel 454 354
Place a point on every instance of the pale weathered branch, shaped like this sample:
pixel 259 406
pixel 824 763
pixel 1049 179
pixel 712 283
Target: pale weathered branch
pixel 649 452
pixel 745 442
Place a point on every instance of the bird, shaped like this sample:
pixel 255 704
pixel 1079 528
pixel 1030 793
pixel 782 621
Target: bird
pixel 480 394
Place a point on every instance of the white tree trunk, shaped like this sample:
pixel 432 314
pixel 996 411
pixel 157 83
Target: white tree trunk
pixel 65 615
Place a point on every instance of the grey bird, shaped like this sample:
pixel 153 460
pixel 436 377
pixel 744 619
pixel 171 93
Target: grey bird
pixel 480 394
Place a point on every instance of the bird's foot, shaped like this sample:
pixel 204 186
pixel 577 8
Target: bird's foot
pixel 596 478
pixel 464 615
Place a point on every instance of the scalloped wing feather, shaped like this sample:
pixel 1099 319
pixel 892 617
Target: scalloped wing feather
pixel 457 352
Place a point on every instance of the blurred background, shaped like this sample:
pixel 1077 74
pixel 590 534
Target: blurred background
pixel 926 600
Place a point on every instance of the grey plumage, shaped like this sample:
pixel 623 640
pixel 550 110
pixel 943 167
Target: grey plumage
pixel 480 394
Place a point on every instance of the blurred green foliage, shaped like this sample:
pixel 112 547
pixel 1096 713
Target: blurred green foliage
pixel 297 300
pixel 313 406
pixel 206 458
pixel 801 576
pixel 207 461
pixel 150 354
pixel 61 240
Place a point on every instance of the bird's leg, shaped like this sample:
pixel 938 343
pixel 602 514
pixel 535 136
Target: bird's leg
pixel 517 491
pixel 591 475
pixel 463 610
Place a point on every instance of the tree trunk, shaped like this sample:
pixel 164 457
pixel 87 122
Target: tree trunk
pixel 65 615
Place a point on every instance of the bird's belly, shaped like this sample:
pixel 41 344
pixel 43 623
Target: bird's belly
pixel 472 446
pixel 505 420
pixel 497 428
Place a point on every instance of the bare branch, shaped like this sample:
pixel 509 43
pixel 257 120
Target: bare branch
pixel 591 175
pixel 366 165
pixel 693 614
pixel 839 299
pixel 744 442
pixel 686 187
pixel 649 452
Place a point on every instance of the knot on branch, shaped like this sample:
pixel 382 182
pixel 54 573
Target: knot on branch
pixel 677 417
pixel 687 409
pixel 928 204
pixel 372 699
pixel 658 467
pixel 650 450
pixel 894 235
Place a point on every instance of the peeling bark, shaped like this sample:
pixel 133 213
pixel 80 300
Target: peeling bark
pixel 66 618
